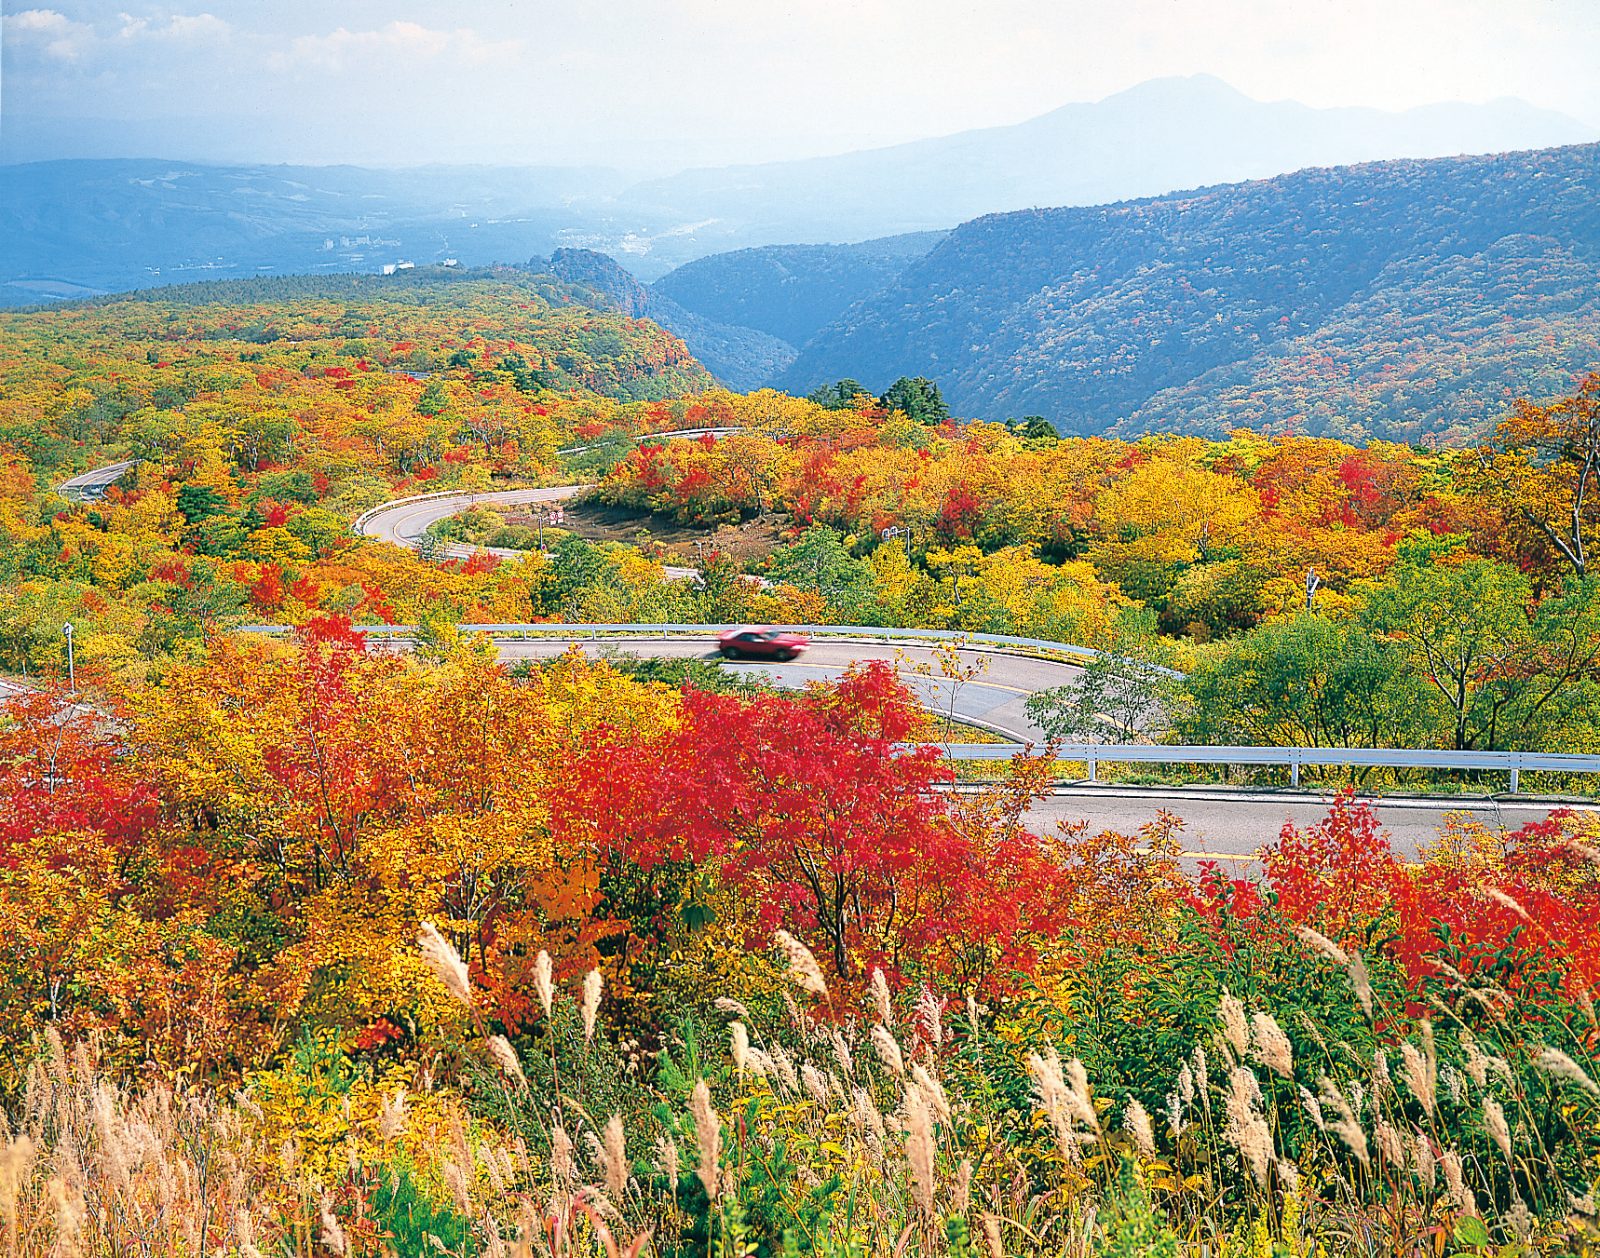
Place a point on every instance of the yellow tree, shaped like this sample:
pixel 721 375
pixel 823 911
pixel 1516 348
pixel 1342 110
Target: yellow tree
pixel 1544 471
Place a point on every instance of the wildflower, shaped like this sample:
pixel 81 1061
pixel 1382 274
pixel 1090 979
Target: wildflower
pixel 888 1051
pixel 1136 1122
pixel 919 1147
pixel 1391 1148
pixel 930 1012
pixel 1520 1220
pixel 1563 1069
pixel 1505 901
pixel 543 982
pixel 1081 1099
pixel 1382 1081
pixel 740 1047
pixel 1313 1107
pixel 728 1005
pixel 931 1089
pixel 1477 1064
pixel 667 1161
pixel 1202 1080
pixel 506 1058
pixel 562 1163
pixel 1419 1076
pixel 880 994
pixel 868 1120
pixel 804 972
pixel 708 1134
pixel 1056 1100
pixel 332 1234
pixel 841 1054
pixel 991 1236
pixel 1247 1129
pixel 1422 1158
pixel 614 1157
pixel 1343 1123
pixel 1361 981
pixel 816 1084
pixel 443 960
pixel 1455 1181
pixel 783 1064
pixel 392 1115
pixel 592 984
pixel 1321 943
pixel 1271 1046
pixel 1494 1121
pixel 1174 1115
pixel 244 1232
pixel 962 1196
pixel 1235 1030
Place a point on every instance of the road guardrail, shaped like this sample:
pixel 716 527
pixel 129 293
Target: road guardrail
pixel 1513 763
pixel 889 635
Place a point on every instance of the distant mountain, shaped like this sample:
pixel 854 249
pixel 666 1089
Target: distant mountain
pixel 790 291
pixel 1153 138
pixel 1398 299
pixel 740 357
pixel 71 226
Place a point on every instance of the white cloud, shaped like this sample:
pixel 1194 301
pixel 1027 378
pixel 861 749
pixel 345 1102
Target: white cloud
pixel 176 26
pixel 54 34
pixel 399 41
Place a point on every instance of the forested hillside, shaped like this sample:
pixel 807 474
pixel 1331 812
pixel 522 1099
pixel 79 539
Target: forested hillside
pixel 1405 299
pixel 740 357
pixel 790 291
pixel 309 946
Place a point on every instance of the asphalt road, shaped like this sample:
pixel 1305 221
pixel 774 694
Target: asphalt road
pixel 1230 826
pixel 404 522
pixel 993 699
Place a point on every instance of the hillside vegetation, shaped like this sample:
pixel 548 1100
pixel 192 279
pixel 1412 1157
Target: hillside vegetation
pixel 791 291
pixel 1401 299
pixel 313 947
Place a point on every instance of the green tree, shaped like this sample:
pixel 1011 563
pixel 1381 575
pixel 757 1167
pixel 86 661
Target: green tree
pixel 1307 681
pixel 199 502
pixel 820 559
pixel 918 398
pixel 1464 627
pixel 1123 696
pixel 840 396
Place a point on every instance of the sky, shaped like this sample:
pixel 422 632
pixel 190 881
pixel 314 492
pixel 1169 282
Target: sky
pixel 654 85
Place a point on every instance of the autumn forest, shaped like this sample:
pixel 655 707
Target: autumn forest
pixel 315 944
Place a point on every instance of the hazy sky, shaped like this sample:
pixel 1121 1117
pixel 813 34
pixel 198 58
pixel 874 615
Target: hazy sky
pixel 672 82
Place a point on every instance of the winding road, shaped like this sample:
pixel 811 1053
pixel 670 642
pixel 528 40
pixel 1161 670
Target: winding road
pixel 405 521
pixel 1223 825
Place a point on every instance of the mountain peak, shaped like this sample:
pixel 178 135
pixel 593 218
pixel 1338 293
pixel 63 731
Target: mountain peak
pixel 1179 89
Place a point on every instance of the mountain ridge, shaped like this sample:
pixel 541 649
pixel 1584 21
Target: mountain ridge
pixel 1087 315
pixel 124 223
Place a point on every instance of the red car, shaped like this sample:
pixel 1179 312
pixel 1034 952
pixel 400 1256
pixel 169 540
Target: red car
pixel 762 642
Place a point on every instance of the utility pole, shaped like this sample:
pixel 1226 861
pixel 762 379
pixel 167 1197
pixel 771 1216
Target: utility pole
pixel 1312 582
pixel 900 532
pixel 72 675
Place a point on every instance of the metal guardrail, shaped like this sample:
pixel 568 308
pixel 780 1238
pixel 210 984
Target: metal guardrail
pixel 91 485
pixel 886 634
pixel 358 525
pixel 1513 763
